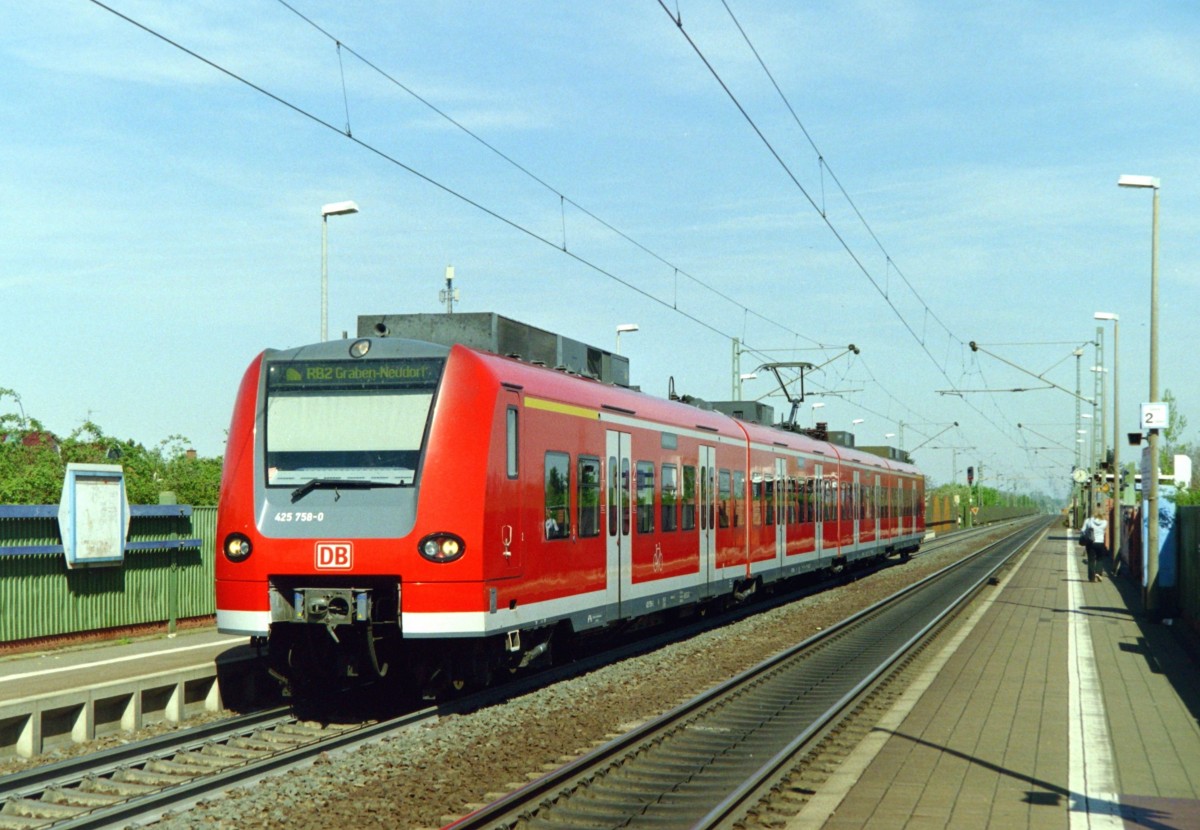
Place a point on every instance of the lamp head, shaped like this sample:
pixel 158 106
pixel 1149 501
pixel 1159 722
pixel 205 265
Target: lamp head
pixel 339 209
pixel 1138 181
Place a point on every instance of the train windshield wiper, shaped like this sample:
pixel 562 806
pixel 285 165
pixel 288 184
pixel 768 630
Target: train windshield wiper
pixel 339 484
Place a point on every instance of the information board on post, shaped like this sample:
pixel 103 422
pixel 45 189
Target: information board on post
pixel 93 515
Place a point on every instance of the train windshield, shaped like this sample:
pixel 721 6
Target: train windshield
pixel 331 421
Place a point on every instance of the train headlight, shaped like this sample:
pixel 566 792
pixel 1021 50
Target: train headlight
pixel 441 547
pixel 237 547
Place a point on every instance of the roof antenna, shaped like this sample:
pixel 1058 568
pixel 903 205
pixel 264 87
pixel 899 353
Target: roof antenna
pixel 449 294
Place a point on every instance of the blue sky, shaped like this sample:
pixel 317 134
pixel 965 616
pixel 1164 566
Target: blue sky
pixel 162 220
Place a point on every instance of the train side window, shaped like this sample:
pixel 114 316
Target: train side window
pixel 708 497
pixel 614 508
pixel 589 496
pixel 756 497
pixel 625 484
pixel 688 517
pixel 513 468
pixel 739 498
pixel 670 497
pixel 558 495
pixel 645 497
pixel 724 502
pixel 769 498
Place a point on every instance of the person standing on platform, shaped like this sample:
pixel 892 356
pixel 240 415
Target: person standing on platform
pixel 1092 536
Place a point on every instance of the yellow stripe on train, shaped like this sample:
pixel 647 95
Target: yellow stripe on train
pixel 562 408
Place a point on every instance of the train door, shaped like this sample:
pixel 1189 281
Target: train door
pixel 618 508
pixel 818 506
pixel 511 531
pixel 708 513
pixel 782 496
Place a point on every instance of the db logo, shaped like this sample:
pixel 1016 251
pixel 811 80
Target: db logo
pixel 335 555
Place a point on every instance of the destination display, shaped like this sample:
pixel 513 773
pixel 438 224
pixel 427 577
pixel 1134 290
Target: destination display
pixel 416 373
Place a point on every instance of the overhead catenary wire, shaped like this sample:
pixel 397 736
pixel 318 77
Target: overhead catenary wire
pixel 526 171
pixel 820 209
pixel 559 244
pixel 385 156
pixel 562 197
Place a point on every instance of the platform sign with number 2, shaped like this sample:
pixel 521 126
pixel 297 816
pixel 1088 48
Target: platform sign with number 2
pixel 1155 416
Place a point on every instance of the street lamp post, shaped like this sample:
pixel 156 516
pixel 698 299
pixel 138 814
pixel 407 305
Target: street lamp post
pixel 1150 599
pixel 333 209
pixel 622 329
pixel 1116 462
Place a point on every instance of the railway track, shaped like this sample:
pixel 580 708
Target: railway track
pixel 142 780
pixel 709 762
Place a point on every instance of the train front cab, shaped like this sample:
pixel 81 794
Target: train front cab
pixel 330 518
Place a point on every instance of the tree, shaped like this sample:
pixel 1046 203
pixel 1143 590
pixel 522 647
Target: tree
pixel 1172 443
pixel 33 463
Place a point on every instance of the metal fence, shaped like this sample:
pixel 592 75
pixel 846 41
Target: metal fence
pixel 167 574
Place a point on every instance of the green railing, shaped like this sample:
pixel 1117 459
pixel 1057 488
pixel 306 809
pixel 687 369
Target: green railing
pixel 167 574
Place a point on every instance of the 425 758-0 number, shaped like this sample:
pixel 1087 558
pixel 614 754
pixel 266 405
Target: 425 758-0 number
pixel 299 517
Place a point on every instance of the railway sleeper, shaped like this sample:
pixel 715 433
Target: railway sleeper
pixel 237 750
pixel 202 759
pixel 31 808
pixel 117 787
pixel 176 769
pixel 76 797
pixel 156 780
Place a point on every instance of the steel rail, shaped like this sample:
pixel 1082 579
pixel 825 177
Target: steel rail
pixel 64 773
pixel 150 804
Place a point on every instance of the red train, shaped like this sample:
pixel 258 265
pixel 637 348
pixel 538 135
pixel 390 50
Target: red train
pixel 446 512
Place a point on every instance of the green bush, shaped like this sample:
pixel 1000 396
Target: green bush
pixel 33 463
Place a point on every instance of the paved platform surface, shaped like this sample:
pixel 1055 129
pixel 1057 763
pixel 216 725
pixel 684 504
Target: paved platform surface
pixel 58 670
pixel 1056 705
